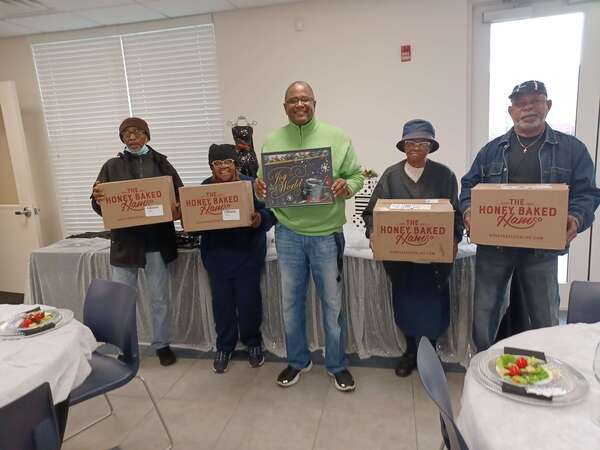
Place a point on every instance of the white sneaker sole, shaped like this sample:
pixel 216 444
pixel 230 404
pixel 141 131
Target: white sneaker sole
pixel 297 377
pixel 342 388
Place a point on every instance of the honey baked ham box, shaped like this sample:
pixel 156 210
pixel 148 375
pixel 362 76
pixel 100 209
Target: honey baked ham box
pixel 142 201
pixel 413 230
pixel 217 206
pixel 520 215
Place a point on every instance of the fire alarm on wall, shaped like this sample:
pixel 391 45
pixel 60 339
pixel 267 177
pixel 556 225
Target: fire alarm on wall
pixel 405 53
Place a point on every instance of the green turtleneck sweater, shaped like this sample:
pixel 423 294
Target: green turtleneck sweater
pixel 317 220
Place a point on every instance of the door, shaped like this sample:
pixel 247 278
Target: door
pixel 582 91
pixel 19 221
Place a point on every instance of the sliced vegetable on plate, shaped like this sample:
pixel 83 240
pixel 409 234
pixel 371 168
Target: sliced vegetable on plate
pixel 523 370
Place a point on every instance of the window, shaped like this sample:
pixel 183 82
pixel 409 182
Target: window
pixel 554 59
pixel 167 77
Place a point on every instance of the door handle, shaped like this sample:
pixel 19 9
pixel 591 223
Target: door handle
pixel 27 211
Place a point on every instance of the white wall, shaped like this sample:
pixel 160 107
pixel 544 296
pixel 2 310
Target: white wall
pixel 349 51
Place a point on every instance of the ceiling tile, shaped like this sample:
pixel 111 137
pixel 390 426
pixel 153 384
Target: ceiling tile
pixel 10 29
pixel 53 22
pixel 76 5
pixel 179 8
pixel 255 3
pixel 11 9
pixel 121 14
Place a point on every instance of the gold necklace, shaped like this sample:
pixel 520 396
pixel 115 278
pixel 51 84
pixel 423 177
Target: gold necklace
pixel 528 146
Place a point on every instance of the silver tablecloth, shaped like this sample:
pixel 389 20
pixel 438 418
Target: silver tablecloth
pixel 60 274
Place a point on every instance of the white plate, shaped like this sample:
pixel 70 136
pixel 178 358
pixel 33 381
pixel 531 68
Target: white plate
pixel 567 389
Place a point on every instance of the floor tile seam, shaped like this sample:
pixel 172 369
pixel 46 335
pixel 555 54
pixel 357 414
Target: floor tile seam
pixel 314 444
pixel 151 409
pixel 234 411
pixel 414 411
pixel 137 423
pixel 185 371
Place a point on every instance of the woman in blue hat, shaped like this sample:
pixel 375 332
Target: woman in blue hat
pixel 420 291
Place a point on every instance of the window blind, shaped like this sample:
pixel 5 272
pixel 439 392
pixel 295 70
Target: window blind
pixel 167 77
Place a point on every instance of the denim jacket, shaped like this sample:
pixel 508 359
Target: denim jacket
pixel 563 159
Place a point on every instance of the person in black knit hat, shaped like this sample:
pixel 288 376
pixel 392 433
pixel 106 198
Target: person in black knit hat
pixel 234 259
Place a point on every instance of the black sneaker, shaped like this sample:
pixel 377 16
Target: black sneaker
pixel 166 356
pixel 406 364
pixel 344 381
pixel 290 376
pixel 255 356
pixel 221 362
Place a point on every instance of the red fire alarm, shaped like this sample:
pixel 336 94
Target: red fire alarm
pixel 405 53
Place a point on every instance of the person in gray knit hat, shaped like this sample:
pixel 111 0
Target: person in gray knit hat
pixel 420 292
pixel 148 247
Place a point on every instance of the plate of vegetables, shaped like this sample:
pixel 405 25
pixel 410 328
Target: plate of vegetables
pixel 523 370
pixel 34 321
pixel 536 379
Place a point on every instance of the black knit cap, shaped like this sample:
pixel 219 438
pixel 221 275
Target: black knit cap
pixel 220 152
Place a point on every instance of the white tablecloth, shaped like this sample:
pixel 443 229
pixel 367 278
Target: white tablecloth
pixel 60 357
pixel 60 274
pixel 490 421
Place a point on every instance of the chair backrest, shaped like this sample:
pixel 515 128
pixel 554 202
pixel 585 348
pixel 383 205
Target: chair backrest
pixel 110 312
pixel 29 423
pixel 435 383
pixel 584 302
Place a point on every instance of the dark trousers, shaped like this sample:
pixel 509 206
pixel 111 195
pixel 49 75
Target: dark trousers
pixel 237 304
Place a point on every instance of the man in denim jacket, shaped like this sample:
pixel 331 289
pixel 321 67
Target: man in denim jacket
pixel 530 152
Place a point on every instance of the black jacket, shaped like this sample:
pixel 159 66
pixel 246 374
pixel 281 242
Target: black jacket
pixel 437 181
pixel 128 245
pixel 229 251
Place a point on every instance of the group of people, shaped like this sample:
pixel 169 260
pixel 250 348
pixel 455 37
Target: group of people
pixel 310 242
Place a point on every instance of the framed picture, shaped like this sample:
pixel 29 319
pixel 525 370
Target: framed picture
pixel 298 177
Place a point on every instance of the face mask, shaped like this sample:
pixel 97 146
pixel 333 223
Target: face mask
pixel 140 152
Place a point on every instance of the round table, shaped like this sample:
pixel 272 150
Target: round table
pixel 491 421
pixel 60 357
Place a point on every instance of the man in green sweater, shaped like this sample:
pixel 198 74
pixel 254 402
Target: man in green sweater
pixel 309 239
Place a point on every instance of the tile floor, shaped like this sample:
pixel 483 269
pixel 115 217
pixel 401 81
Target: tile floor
pixel 245 409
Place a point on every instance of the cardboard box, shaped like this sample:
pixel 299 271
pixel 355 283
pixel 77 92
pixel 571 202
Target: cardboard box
pixel 217 206
pixel 413 230
pixel 520 215
pixel 143 201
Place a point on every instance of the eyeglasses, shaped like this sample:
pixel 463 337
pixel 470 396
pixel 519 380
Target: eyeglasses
pixel 224 162
pixel 522 103
pixel 418 145
pixel 136 132
pixel 298 100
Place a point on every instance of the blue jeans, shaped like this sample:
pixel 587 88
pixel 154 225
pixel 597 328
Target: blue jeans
pixel 157 278
pixel 297 255
pixel 537 285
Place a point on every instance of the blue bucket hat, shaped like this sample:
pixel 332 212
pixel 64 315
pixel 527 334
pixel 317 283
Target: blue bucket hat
pixel 418 129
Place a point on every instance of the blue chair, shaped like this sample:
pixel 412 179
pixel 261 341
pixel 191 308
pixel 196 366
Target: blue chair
pixel 110 312
pixel 584 302
pixel 29 422
pixel 434 381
